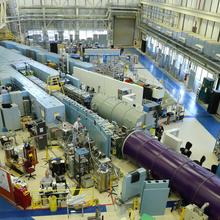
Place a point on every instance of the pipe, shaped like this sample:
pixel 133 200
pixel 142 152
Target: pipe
pixel 119 111
pixel 194 183
pixel 206 205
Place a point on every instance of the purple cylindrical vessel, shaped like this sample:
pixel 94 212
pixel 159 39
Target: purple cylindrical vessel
pixel 194 183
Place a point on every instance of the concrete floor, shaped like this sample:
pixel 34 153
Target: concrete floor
pixel 191 129
pixel 203 144
pixel 113 211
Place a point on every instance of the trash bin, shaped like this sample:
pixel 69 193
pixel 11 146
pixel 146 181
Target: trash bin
pixel 53 203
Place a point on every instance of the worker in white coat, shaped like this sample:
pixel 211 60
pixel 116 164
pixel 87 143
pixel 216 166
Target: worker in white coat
pixel 76 128
pixel 77 125
pixel 47 180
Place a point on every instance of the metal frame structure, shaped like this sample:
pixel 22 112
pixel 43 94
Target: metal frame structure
pixel 66 14
pixel 184 10
pixel 3 13
pixel 167 19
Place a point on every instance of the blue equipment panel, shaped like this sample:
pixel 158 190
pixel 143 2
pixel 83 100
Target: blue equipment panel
pixel 82 151
pixel 99 129
pixel 73 81
pixel 43 71
pixel 45 106
pixel 45 56
pixel 154 197
pixel 17 98
pixel 132 188
pixel 12 117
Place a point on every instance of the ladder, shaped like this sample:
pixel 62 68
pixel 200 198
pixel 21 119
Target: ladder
pixel 136 204
pixel 54 84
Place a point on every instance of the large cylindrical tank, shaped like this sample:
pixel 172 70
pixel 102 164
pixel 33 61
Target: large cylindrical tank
pixel 119 111
pixel 194 183
pixel 103 179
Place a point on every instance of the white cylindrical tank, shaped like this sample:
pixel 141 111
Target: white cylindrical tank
pixel 119 111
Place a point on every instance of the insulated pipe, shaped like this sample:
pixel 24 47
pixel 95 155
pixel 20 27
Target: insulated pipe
pixel 194 183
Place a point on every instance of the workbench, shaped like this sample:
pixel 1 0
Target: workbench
pixel 46 193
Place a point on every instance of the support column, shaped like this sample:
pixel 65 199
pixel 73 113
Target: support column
pixel 45 39
pixel 218 83
pixel 45 36
pixel 191 80
pixel 110 33
pixel 77 31
pixel 60 36
pixel 71 38
pixel 77 26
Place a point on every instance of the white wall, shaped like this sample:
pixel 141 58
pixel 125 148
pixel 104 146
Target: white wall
pixel 214 6
pixel 203 27
pixel 209 29
pixel 189 21
pixel 107 85
pixel 216 31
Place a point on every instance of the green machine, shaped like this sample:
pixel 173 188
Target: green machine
pixel 206 90
pixel 146 217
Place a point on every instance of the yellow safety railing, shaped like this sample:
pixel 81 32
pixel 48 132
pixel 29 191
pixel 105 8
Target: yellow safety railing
pixel 51 148
pixel 42 198
pixel 136 203
pixel 182 215
pixel 132 212
pixel 54 84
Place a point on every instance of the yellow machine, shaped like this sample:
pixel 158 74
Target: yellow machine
pixel 5 34
pixel 54 84
pixel 182 214
pixel 52 65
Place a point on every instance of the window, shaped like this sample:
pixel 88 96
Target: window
pixel 167 50
pixel 66 35
pixel 84 34
pixel 198 73
pixel 179 60
pixel 210 75
pixel 35 33
pixel 204 74
pixel 51 34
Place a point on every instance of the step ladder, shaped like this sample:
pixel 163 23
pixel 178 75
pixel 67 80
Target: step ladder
pixel 54 84
pixel 136 204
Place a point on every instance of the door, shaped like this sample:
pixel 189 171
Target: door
pixel 124 31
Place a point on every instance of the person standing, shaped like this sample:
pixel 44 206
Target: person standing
pixel 76 128
pixel 77 125
pixel 159 132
